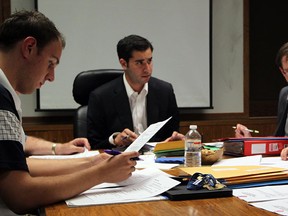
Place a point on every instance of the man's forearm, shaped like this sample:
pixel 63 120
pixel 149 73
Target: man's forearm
pixel 37 146
pixel 48 167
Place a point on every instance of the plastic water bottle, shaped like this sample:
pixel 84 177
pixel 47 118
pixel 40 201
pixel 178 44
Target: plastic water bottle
pixel 193 147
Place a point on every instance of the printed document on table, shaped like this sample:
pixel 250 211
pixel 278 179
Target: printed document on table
pixel 259 194
pixel 137 176
pixel 253 160
pixel 274 162
pixel 270 198
pixel 276 206
pixel 146 136
pixel 146 189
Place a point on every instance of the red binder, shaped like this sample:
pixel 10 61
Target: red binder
pixel 254 146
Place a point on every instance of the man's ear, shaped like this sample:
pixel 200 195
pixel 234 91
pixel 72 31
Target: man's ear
pixel 29 45
pixel 123 63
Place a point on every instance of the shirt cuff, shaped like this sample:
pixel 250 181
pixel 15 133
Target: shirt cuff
pixel 112 137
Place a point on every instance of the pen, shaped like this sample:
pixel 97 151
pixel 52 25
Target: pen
pixel 125 137
pixel 251 131
pixel 112 152
pixel 115 152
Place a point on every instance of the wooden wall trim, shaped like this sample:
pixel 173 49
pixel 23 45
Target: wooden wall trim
pixel 5 9
pixel 183 117
pixel 211 129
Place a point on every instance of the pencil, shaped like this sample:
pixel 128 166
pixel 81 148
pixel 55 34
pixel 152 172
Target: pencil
pixel 251 131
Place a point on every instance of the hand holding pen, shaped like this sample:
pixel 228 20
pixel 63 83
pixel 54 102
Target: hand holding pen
pixel 125 138
pixel 242 131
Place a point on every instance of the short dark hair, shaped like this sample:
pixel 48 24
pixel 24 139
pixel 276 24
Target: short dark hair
pixel 131 43
pixel 23 24
pixel 283 51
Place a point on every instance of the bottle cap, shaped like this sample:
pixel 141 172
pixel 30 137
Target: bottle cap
pixel 193 127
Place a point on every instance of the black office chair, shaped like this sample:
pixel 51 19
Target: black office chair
pixel 83 84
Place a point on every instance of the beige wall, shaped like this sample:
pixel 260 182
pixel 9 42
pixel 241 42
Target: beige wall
pixel 227 59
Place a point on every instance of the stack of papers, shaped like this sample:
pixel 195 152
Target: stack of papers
pixel 270 198
pixel 143 185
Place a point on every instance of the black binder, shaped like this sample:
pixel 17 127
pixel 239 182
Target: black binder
pixel 180 192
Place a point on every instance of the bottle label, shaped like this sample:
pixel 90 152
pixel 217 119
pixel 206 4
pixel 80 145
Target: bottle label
pixel 193 145
pixel 193 158
pixel 193 152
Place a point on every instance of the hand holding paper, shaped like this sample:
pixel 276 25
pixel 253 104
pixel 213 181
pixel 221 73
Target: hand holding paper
pixel 146 135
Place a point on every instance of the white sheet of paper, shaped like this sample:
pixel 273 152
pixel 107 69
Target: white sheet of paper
pixel 277 206
pixel 144 137
pixel 270 198
pixel 141 191
pixel 137 176
pixel 254 160
pixel 258 194
pixel 85 201
pixel 148 161
pixel 86 153
pixel 274 162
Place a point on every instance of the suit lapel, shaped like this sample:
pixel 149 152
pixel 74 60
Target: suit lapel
pixel 152 106
pixel 283 120
pixel 121 105
pixel 280 131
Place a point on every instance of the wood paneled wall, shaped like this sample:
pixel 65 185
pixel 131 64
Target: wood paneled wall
pixel 210 129
pixel 214 129
pixel 58 133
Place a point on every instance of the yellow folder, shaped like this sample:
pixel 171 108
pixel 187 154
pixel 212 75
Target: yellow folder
pixel 168 146
pixel 226 172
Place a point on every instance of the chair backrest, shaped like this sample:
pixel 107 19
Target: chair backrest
pixel 83 84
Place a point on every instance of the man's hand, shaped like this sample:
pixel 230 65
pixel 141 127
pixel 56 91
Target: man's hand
pixel 175 136
pixel 125 138
pixel 284 153
pixel 118 168
pixel 242 131
pixel 77 145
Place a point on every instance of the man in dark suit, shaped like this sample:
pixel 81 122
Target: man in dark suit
pixel 122 109
pixel 282 125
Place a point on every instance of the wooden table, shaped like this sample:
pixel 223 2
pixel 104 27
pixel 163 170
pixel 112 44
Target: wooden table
pixel 201 207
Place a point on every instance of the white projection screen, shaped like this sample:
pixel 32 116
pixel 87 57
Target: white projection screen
pixel 180 31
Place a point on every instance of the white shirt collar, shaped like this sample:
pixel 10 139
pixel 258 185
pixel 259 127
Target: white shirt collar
pixel 130 91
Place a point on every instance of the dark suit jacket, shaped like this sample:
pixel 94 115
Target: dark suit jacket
pixel 109 111
pixel 282 112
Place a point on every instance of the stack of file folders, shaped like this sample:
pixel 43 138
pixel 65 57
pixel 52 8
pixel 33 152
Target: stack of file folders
pixel 170 152
pixel 244 176
pixel 166 149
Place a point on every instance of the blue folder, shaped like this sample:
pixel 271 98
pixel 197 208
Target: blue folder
pixel 177 160
pixel 259 184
